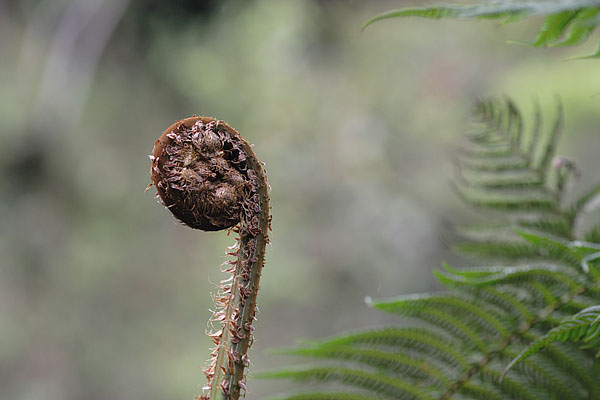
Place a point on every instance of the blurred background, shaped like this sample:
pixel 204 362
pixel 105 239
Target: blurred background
pixel 104 296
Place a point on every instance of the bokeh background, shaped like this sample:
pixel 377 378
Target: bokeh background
pixel 104 296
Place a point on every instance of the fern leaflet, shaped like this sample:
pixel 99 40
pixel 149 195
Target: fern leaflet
pixel 567 22
pixel 457 344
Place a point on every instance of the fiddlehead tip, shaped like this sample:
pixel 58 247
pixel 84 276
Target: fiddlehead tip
pixel 200 172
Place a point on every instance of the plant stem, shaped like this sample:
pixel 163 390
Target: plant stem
pixel 209 178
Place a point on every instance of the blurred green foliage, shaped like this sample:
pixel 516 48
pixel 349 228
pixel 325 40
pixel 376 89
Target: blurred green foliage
pixel 103 295
pixel 566 23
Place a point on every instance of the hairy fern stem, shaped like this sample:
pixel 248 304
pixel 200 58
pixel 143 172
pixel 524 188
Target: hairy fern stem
pixel 208 176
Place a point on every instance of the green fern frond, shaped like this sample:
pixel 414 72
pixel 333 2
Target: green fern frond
pixel 462 340
pixel 555 248
pixel 498 164
pixel 554 27
pixel 557 227
pixel 417 305
pixel 445 321
pixel 581 28
pixel 500 150
pixel 567 22
pixel 543 373
pixel 417 340
pixel 377 382
pixel 507 181
pixel 326 396
pixel 509 202
pixel 575 364
pixel 546 296
pixel 410 366
pixel 481 390
pixel 513 386
pixel 549 274
pixel 583 326
pixel 503 251
pixel 510 302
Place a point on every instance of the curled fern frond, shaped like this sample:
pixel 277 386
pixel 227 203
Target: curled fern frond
pixel 567 22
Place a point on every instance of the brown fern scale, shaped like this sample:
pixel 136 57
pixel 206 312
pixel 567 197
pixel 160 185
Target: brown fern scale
pixel 210 179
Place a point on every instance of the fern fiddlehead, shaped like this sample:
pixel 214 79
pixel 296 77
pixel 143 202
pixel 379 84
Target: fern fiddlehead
pixel 210 179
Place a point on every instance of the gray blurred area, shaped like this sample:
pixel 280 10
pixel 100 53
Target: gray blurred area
pixel 104 296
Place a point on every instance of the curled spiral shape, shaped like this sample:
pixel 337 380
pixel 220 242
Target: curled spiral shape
pixel 201 173
pixel 210 179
